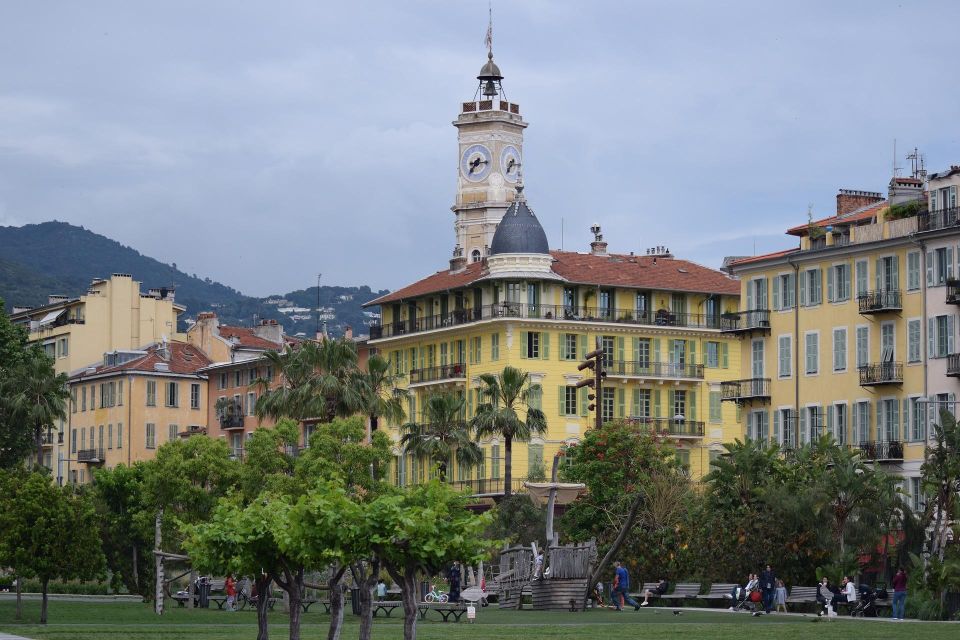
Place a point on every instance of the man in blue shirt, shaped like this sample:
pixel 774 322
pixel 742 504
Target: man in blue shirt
pixel 621 588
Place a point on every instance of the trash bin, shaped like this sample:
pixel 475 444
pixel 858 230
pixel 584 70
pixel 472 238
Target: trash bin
pixel 424 590
pixel 355 600
pixel 203 594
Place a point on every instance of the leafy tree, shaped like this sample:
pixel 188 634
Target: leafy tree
pixel 941 480
pixel 506 394
pixel 443 435
pixel 48 533
pixel 377 393
pixel 126 526
pixel 423 529
pixel 518 520
pixel 37 397
pixel 13 342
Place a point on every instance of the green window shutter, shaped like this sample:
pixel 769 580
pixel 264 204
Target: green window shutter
pixel 656 350
pixel 583 401
pixel 692 405
pixel 620 342
pixel 495 461
pixel 692 359
pixel 656 403
pixel 544 346
pixel 636 402
pixel 671 398
pixel 621 403
pixel 562 350
pixel 523 344
pixel 636 349
pixel 583 346
pixel 469 404
pixel 724 355
pixel 561 401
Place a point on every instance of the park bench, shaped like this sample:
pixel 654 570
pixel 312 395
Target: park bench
pixel 386 606
pixel 647 586
pixel 217 595
pixel 306 603
pixel 445 609
pixel 802 595
pixel 683 590
pixel 719 591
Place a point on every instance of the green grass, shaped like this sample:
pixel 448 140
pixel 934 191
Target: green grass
pixel 119 621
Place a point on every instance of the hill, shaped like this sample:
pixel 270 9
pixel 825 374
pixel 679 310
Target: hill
pixel 57 257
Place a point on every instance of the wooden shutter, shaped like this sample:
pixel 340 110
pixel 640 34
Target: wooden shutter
pixel 724 355
pixel 523 344
pixel 692 352
pixel 777 303
pixel 930 336
pixel 544 346
pixel 831 288
pixel 691 405
pixel 635 412
pixel 804 276
pixel 656 350
pixel 561 401
pixel 621 403
pixel 583 345
pixel 583 401
pixel 929 268
pixel 635 342
pixel 656 403
pixel 563 346
pixel 776 427
pixel 620 355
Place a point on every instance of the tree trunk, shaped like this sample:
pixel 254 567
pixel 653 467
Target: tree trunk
pixel 409 598
pixel 19 607
pixel 296 596
pixel 335 584
pixel 39 441
pixel 191 588
pixel 43 603
pixel 157 542
pixel 263 606
pixel 614 548
pixel 367 584
pixel 507 466
pixel 135 572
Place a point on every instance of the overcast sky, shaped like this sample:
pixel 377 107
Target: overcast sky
pixel 259 143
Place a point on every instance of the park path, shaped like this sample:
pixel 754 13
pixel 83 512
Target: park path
pixel 8 636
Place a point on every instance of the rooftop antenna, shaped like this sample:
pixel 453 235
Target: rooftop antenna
pixel 917 169
pixel 490 76
pixel 318 303
pixel 896 169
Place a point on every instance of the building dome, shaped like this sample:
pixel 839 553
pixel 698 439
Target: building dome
pixel 490 70
pixel 519 231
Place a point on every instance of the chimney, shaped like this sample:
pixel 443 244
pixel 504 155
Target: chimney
pixel 904 190
pixel 459 261
pixel 850 200
pixel 269 330
pixel 598 247
pixel 54 298
pixel 348 333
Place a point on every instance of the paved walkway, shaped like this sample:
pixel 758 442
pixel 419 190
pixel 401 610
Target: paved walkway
pixel 7 636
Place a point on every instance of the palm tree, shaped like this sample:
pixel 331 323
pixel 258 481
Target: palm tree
pixel 38 396
pixel 380 400
pixel 317 382
pixel 443 434
pixel 507 393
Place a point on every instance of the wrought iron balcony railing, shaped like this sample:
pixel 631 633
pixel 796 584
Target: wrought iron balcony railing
pixel 90 456
pixel 880 451
pixel 953 292
pixel 881 373
pixel 672 427
pixel 880 301
pixel 953 365
pixel 745 390
pixel 438 374
pixel 745 321
pixel 939 219
pixel 647 369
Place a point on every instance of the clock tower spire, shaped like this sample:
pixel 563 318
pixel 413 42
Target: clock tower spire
pixel 490 141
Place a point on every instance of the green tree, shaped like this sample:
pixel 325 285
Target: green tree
pixel 378 393
pixel 37 397
pixel 48 533
pixel 506 394
pixel 941 477
pixel 423 529
pixel 13 342
pixel 443 435
pixel 518 520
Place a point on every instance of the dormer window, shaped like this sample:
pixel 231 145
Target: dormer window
pixel 475 255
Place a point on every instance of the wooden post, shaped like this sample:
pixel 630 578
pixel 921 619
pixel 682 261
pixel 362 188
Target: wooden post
pixel 550 502
pixel 158 558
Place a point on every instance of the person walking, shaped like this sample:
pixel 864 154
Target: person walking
pixel 768 585
pixel 781 597
pixel 621 588
pixel 230 588
pixel 899 594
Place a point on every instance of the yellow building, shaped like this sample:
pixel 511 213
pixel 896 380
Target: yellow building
pixel 130 403
pixel 834 332
pixel 113 314
pixel 507 299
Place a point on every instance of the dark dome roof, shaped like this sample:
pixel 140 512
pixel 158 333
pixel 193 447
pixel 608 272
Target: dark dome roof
pixel 490 70
pixel 519 232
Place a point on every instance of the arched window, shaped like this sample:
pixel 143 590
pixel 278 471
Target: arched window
pixel 475 255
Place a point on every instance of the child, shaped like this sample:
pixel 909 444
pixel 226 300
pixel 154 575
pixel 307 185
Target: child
pixel 598 594
pixel 781 596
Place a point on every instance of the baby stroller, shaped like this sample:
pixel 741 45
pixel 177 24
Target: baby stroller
pixel 746 600
pixel 866 605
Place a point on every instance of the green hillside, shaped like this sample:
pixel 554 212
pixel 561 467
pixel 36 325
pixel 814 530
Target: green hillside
pixel 56 257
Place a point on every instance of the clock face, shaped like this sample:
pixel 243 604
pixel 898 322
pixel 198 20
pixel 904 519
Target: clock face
pixel 475 162
pixel 510 162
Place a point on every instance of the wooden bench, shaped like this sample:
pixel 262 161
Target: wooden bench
pixel 387 606
pixel 445 609
pixel 683 590
pixel 306 603
pixel 720 591
pixel 647 586
pixel 802 595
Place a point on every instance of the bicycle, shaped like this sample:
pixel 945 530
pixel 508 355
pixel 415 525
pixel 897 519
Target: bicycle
pixel 435 595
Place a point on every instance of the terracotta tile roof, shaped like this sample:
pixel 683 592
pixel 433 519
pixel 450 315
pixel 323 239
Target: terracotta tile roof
pixel 614 270
pixel 858 215
pixel 766 256
pixel 246 338
pixel 184 359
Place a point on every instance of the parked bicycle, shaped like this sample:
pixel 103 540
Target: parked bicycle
pixel 435 595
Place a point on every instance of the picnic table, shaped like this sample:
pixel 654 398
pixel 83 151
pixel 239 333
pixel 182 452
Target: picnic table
pixel 445 609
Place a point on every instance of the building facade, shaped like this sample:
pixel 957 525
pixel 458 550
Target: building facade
pixel 515 302
pixel 130 403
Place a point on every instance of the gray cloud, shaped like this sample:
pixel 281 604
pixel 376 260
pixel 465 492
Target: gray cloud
pixel 259 143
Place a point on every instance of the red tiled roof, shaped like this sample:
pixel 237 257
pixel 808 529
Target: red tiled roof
pixel 766 256
pixel 184 359
pixel 857 215
pixel 245 337
pixel 615 270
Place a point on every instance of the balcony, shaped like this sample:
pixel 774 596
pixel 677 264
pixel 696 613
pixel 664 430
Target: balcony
pixel 873 375
pixel 231 421
pixel 939 219
pixel 661 318
pixel 880 301
pixel 51 438
pixel 486 487
pixel 953 292
pixel 646 369
pixel 437 375
pixel 746 322
pixel 747 390
pixel 670 427
pixel 953 365
pixel 891 451
pixel 90 456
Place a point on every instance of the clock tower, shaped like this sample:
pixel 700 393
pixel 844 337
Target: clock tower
pixel 490 137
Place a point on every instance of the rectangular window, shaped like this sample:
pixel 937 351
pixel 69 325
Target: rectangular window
pixel 840 423
pixel 607 344
pixel 891 421
pixel 570 401
pixel 93 396
pixel 494 347
pixel 863 346
pixel 757 358
pixel 171 432
pixel 712 355
pixel 495 461
pixel 918 426
pixel 532 346
pixel 840 349
pixel 269 375
pixel 716 408
pixel 569 347
pixel 151 393
pixel 73 442
pixel 173 394
pixel 194 395
pixel 785 356
pixel 913 341
pixel 223 381
pixel 251 403
pixel 73 400
pixel 917 502
pixel 784 292
pixel 83 399
pixel 862 278
pixel 811 293
pixel 812 351
pixel 150 432
pixel 641 403
pixel 913 271
pixel 109 436
pixel 679 405
pixel 119 435
pixel 238 378
pixel 838 283
pixel 606 406
pixel 942 332
pixel 251 376
pixel 120 393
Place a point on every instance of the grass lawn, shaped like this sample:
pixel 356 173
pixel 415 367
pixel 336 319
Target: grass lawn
pixel 118 621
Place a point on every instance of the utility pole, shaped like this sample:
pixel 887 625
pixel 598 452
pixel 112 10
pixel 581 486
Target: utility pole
pixel 317 334
pixel 594 361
